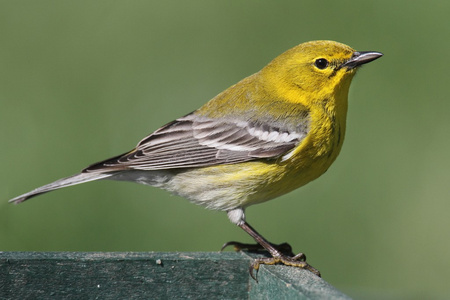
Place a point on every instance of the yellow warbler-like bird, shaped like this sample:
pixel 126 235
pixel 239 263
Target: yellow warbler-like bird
pixel 265 136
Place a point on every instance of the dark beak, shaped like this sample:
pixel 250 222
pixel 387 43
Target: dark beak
pixel 360 58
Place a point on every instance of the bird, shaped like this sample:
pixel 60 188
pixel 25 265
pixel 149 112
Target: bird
pixel 270 133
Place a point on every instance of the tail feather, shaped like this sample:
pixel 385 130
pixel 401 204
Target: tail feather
pixel 64 182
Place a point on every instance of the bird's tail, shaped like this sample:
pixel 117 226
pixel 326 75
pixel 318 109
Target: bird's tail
pixel 72 180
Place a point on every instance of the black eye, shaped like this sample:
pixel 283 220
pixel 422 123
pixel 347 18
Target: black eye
pixel 321 63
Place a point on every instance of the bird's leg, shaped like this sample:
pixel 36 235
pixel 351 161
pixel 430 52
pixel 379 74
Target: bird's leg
pixel 277 256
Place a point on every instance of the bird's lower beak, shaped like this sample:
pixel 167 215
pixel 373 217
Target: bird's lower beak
pixel 360 58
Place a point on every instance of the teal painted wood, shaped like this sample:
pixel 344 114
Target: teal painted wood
pixel 284 282
pixel 152 275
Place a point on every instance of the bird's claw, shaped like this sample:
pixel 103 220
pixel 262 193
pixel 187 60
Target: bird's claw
pixel 298 261
pixel 284 248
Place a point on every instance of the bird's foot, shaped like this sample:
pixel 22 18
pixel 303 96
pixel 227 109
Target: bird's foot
pixel 294 261
pixel 284 248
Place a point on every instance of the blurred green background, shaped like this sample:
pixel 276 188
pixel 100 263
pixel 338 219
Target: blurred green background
pixel 85 80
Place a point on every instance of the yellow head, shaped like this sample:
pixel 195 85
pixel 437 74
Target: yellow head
pixel 315 68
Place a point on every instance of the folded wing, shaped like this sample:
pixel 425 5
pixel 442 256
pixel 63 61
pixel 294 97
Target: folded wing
pixel 196 141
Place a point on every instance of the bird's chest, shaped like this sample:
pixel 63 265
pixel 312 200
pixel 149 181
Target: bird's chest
pixel 317 151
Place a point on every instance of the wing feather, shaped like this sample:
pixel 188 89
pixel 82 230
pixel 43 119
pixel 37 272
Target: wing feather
pixel 196 141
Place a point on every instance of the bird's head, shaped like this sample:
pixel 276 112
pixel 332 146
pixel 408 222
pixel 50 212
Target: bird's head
pixel 317 68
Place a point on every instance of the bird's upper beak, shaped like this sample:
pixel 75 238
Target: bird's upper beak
pixel 361 57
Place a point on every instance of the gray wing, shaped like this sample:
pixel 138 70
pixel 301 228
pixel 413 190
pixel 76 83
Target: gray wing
pixel 195 141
